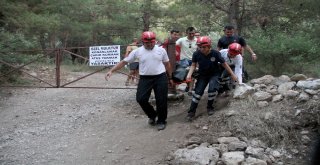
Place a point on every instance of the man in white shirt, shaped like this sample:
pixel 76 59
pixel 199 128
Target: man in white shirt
pixel 188 45
pixel 234 59
pixel 154 68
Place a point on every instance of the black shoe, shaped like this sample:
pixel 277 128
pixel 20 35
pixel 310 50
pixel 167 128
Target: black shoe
pixel 161 126
pixel 151 122
pixel 210 111
pixel 190 117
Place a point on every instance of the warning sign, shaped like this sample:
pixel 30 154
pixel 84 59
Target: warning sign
pixel 104 55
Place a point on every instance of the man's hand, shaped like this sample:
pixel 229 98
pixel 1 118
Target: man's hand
pixel 108 75
pixel 254 57
pixel 172 84
pixel 234 78
pixel 188 79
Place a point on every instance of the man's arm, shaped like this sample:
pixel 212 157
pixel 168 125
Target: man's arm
pixel 191 70
pixel 229 70
pixel 168 68
pixel 169 71
pixel 253 55
pixel 128 50
pixel 243 43
pixel 115 68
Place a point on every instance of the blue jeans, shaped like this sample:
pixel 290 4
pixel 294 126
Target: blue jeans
pixel 159 84
pixel 200 86
pixel 185 63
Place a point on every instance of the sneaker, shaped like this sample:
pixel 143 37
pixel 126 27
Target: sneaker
pixel 152 122
pixel 161 126
pixel 189 93
pixel 210 111
pixel 190 117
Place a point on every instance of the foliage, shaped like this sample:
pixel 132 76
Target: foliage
pixel 287 30
pixel 283 53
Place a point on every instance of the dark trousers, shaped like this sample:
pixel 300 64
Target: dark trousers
pixel 226 83
pixel 159 84
pixel 201 85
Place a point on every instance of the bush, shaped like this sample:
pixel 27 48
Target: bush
pixel 10 43
pixel 284 53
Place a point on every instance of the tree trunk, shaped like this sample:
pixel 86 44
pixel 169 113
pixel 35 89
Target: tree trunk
pixel 146 15
pixel 234 13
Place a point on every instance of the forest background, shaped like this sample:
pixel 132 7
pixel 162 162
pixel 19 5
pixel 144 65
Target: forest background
pixel 283 33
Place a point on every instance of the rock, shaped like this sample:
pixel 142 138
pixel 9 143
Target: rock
pixel 262 96
pixel 273 89
pixel 231 113
pixel 231 158
pixel 298 77
pixel 291 94
pixel 242 91
pixel 255 152
pixel 303 97
pixel 268 116
pixel 237 146
pixel 228 134
pixel 199 155
pixel 309 84
pixel 311 91
pixel 283 88
pixel 254 161
pixel 227 140
pixel 277 98
pixel 305 139
pixel 267 79
pixel 194 140
pixel 275 154
pixel 262 104
pixel 280 80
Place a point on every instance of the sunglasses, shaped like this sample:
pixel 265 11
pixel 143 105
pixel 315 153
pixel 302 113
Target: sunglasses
pixel 189 45
pixel 201 47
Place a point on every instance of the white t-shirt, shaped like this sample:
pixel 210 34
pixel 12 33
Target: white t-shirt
pixel 150 61
pixel 237 61
pixel 188 47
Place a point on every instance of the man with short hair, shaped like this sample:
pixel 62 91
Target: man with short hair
pixel 154 68
pixel 188 46
pixel 229 38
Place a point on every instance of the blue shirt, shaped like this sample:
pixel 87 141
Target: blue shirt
pixel 209 65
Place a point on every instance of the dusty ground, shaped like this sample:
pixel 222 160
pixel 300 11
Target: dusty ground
pixel 84 126
pixel 93 126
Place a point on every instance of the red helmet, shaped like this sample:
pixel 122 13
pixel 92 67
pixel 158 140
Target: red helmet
pixel 148 36
pixel 204 41
pixel 234 49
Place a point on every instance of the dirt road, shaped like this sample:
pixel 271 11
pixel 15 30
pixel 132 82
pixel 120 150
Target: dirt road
pixel 84 126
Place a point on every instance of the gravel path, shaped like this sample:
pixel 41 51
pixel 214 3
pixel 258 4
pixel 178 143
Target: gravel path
pixel 84 126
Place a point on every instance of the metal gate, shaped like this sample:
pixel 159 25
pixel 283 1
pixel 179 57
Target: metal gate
pixel 52 59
